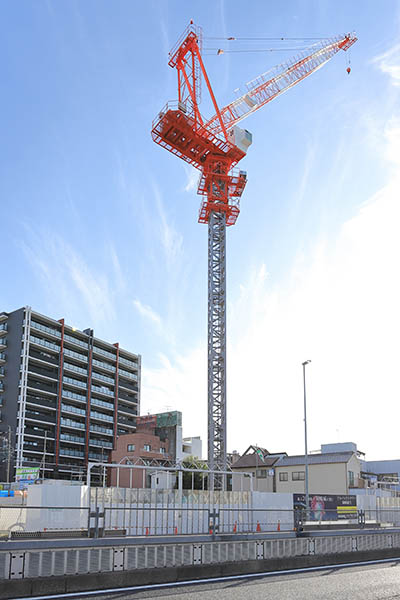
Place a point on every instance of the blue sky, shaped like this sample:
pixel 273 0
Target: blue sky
pixel 100 224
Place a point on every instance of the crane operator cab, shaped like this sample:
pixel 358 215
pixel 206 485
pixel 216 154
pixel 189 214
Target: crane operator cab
pixel 240 137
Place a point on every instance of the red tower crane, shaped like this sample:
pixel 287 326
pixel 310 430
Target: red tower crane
pixel 214 147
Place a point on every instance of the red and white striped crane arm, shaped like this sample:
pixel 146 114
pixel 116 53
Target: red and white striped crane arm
pixel 277 80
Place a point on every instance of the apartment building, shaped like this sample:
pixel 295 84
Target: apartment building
pixel 66 394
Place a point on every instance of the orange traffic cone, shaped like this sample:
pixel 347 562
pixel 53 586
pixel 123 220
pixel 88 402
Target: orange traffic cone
pixel 279 526
pixel 258 528
pixel 235 527
pixel 147 531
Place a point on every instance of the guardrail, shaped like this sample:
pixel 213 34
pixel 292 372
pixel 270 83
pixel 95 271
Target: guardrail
pixel 95 558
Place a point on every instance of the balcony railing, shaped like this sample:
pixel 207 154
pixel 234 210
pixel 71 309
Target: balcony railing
pixel 103 417
pixel 103 365
pixel 124 373
pixel 102 377
pixel 3 342
pixel 39 401
pixel 72 452
pixel 45 329
pixel 102 403
pixel 72 423
pixel 74 396
pixel 99 429
pixel 104 353
pixel 100 443
pixel 74 340
pixel 76 382
pixel 69 367
pixel 66 437
pixel 44 343
pixel 75 355
pixel 2 356
pixel 73 409
pixel 128 363
pixel 102 390
pixel 37 416
pixel 3 327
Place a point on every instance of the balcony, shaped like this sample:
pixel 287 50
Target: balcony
pixel 103 365
pixel 32 415
pixel 110 355
pixel 3 343
pixel 131 376
pixel 73 409
pixel 74 396
pixel 101 416
pixel 38 401
pixel 41 343
pixel 126 422
pixel 40 385
pixel 3 328
pixel 73 439
pixel 41 357
pixel 100 443
pixel 101 377
pixel 72 424
pixel 127 398
pixel 128 363
pixel 38 433
pixel 76 355
pixel 3 317
pixel 75 369
pixel 102 403
pixel 76 342
pixel 50 375
pixel 2 358
pixel 127 387
pixel 2 371
pixel 127 410
pixel 102 390
pixel 99 429
pixel 75 382
pixel 54 333
pixel 72 453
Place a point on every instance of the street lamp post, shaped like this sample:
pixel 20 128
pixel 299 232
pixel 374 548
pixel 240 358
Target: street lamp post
pixel 305 438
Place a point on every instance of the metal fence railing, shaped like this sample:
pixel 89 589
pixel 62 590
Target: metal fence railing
pixel 156 520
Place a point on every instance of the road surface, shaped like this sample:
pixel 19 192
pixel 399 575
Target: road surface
pixel 372 582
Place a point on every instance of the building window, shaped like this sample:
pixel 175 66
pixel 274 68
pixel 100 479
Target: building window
pixel 131 447
pixel 283 476
pixel 298 476
pixel 163 451
pixel 147 447
pixel 261 473
pixel 351 478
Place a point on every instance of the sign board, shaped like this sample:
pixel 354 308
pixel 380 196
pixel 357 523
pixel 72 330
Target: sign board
pixel 328 507
pixel 26 475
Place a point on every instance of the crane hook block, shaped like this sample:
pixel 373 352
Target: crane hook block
pixel 348 70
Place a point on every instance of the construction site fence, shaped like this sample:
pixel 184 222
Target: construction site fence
pixel 99 521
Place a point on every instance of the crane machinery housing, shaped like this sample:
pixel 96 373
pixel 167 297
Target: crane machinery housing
pixel 214 147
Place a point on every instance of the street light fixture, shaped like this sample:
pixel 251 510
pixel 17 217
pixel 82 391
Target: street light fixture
pixel 305 438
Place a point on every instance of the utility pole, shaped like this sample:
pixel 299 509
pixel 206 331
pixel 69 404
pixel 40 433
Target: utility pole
pixel 305 439
pixel 44 455
pixel 9 454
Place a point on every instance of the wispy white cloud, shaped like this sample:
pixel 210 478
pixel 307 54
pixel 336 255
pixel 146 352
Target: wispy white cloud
pixel 389 63
pixel 171 240
pixel 146 311
pixel 192 177
pixel 69 282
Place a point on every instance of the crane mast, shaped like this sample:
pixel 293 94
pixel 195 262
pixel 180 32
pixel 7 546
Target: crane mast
pixel 214 147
